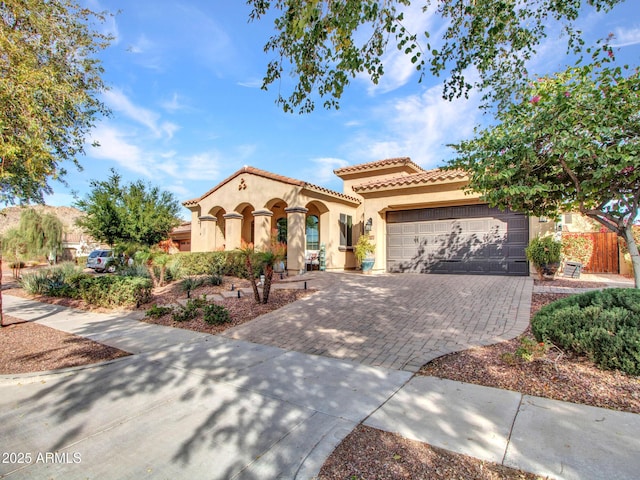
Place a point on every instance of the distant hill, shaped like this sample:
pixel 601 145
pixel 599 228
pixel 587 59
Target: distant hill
pixel 10 217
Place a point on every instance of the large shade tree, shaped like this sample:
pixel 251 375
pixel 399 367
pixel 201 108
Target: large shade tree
pixel 571 144
pixel 324 44
pixel 50 76
pixel 133 213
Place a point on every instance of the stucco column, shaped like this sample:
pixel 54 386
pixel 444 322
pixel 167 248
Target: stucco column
pixel 262 229
pixel 233 230
pixel 208 233
pixel 296 238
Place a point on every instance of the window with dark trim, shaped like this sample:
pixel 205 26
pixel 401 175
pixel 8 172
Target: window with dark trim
pixel 281 225
pixel 313 233
pixel 346 230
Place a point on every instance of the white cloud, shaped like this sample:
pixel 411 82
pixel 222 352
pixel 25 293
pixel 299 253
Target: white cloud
pixel 322 170
pixel 625 37
pixel 174 104
pixel 142 45
pixel 118 147
pixel 255 83
pixel 202 166
pixel 119 102
pixel 419 126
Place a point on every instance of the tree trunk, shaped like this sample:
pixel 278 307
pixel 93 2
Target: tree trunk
pixel 152 274
pixel 266 288
pixel 633 252
pixel 256 294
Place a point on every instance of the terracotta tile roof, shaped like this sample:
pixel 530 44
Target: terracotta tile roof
pixel 425 177
pixel 182 228
pixel 372 166
pixel 272 176
pixel 317 188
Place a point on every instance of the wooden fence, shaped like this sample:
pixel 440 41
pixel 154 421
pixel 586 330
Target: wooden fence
pixel 605 253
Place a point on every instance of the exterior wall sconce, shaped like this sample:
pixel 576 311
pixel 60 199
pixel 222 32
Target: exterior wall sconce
pixel 543 220
pixel 368 225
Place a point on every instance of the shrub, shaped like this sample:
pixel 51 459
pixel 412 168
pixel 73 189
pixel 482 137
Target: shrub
pixel 198 263
pixel 156 312
pixel 577 247
pixel 36 282
pixel 214 280
pixel 543 252
pixel 235 265
pixel 216 314
pixel 188 312
pixel 604 325
pixel 115 291
pixel 189 284
pixel 134 271
pixel 58 281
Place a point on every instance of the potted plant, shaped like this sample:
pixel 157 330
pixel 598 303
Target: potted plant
pixel 364 253
pixel 545 255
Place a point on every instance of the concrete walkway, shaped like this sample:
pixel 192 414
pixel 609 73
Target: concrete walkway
pixel 191 405
pixel 187 405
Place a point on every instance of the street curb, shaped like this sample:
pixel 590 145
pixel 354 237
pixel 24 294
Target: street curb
pixel 43 376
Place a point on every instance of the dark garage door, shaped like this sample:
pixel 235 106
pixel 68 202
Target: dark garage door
pixel 472 239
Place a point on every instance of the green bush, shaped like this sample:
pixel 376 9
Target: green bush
pixel 543 251
pixel 604 325
pixel 198 263
pixel 134 271
pixel 189 284
pixel 216 314
pixel 158 311
pixel 115 291
pixel 188 312
pixel 53 281
pixel 213 280
pixel 577 247
pixel 36 282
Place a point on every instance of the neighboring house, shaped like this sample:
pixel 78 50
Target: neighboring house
pixel 420 220
pixel 182 236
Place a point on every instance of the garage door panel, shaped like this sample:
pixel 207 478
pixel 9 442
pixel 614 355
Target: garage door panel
pixel 486 241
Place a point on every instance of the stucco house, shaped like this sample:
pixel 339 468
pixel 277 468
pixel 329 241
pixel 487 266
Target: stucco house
pixel 420 220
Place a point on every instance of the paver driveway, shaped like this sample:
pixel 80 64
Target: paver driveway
pixel 399 321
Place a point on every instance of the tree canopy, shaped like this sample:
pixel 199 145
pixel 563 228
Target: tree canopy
pixel 134 213
pixel 49 79
pixel 571 145
pixel 324 44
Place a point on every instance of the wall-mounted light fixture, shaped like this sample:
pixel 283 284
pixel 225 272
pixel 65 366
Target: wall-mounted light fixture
pixel 543 219
pixel 368 225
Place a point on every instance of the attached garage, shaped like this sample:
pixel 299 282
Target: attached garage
pixel 470 239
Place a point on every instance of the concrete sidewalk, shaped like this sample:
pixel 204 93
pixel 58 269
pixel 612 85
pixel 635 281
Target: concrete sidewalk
pixel 186 406
pixel 546 437
pixel 191 405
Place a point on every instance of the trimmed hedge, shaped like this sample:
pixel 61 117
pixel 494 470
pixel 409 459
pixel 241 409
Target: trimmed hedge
pixel 604 325
pixel 115 291
pixel 206 263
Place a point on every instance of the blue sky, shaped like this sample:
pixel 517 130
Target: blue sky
pixel 184 87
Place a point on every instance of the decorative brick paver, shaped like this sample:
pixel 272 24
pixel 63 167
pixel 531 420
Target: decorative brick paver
pixel 399 321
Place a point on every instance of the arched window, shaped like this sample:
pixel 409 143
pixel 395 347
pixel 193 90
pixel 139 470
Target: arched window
pixel 313 233
pixel 281 226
